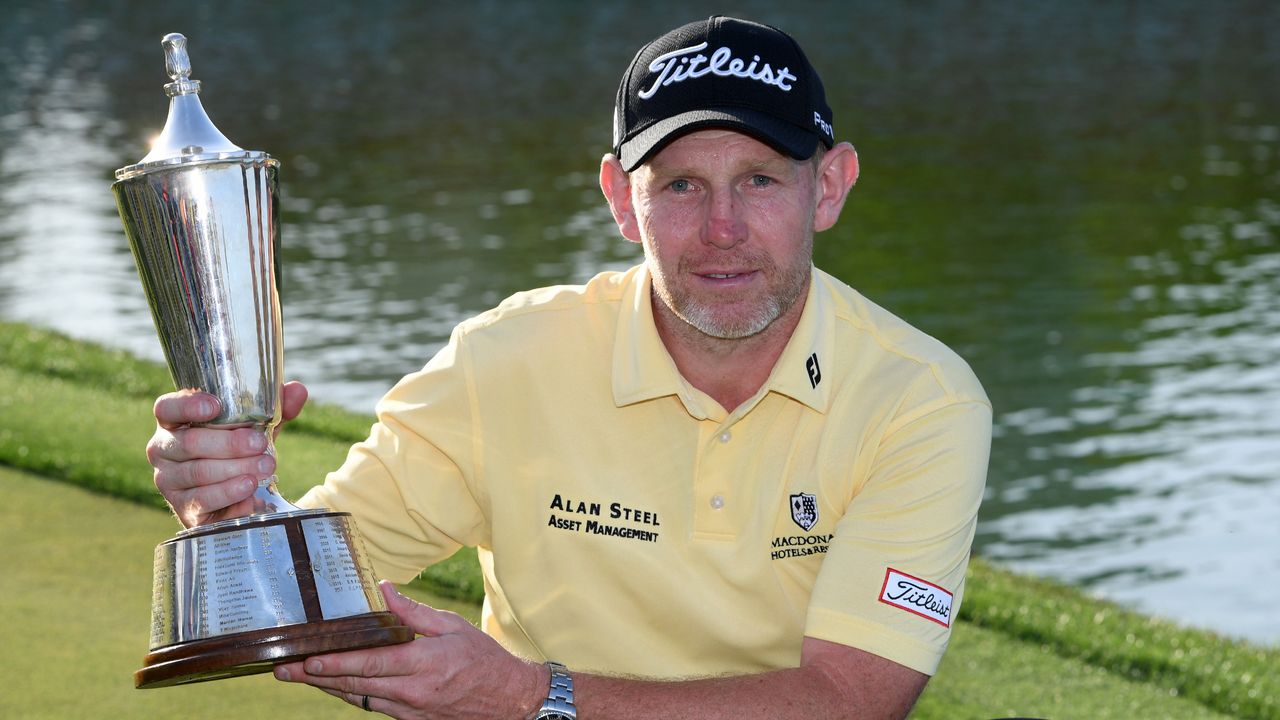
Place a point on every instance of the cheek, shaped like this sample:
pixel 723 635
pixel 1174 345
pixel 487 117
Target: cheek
pixel 781 222
pixel 673 215
pixel 665 223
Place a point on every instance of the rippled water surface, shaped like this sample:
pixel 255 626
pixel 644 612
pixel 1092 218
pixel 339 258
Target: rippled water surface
pixel 1081 198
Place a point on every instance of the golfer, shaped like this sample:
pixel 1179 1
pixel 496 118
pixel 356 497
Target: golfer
pixel 721 484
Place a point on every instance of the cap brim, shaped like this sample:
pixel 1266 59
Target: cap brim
pixel 784 137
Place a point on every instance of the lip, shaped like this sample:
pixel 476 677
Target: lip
pixel 725 278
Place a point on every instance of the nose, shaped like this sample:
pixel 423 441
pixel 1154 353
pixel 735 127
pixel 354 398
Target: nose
pixel 724 227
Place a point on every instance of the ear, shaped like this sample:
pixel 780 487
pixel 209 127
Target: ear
pixel 615 183
pixel 836 176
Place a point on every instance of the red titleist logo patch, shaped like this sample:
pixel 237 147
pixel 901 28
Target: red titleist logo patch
pixel 916 596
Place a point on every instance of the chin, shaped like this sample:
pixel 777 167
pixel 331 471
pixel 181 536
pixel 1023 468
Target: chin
pixel 717 325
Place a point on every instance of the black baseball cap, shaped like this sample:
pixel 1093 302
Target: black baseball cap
pixel 721 72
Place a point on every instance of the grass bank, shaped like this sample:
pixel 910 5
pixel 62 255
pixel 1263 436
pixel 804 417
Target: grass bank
pixel 79 413
pixel 75 615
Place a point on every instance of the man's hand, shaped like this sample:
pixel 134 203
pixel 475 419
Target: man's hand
pixel 209 474
pixel 453 671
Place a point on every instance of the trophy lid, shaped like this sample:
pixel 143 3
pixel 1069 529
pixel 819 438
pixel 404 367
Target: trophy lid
pixel 189 136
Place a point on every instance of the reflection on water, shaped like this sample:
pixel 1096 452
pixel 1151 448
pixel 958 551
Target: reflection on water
pixel 404 280
pixel 1172 464
pixel 1081 198
pixel 59 238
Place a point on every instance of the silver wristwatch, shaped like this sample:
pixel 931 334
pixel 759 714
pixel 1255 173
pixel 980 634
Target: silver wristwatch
pixel 559 702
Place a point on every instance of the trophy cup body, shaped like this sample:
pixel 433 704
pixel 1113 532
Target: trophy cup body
pixel 239 596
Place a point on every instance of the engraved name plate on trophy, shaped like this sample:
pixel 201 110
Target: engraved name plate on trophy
pixel 239 596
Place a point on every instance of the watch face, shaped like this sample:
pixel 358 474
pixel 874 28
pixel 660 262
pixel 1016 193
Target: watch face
pixel 553 716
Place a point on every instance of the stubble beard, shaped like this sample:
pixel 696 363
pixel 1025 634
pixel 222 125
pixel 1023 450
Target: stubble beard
pixel 783 289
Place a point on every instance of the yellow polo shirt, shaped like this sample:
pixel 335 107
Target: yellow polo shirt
pixel 627 524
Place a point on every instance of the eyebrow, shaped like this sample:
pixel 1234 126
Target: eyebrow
pixel 658 170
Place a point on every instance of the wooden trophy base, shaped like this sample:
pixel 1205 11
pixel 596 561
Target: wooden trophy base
pixel 258 651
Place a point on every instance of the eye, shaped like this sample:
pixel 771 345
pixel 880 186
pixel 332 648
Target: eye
pixel 761 181
pixel 681 185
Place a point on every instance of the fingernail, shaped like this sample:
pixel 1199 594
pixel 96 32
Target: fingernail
pixel 248 485
pixel 207 408
pixel 282 673
pixel 314 667
pixel 257 442
pixel 265 464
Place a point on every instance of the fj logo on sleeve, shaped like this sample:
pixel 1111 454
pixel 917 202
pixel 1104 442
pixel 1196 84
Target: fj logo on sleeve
pixel 815 372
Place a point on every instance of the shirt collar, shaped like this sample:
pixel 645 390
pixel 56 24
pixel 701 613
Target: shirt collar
pixel 643 369
pixel 801 372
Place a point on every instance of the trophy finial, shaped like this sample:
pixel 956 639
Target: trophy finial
pixel 178 64
pixel 188 135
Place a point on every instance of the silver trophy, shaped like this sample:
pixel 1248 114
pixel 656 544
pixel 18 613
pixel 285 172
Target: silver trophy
pixel 235 597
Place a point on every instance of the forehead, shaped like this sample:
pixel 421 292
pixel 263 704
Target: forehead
pixel 711 146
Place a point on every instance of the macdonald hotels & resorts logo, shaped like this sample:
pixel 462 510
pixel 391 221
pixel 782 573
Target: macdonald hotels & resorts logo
pixel 804 513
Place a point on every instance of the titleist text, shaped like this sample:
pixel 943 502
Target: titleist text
pixel 676 66
pixel 917 596
pixel 921 597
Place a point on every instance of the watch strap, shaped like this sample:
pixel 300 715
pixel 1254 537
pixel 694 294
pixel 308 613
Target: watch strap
pixel 559 702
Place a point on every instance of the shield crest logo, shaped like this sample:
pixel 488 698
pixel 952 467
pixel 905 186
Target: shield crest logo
pixel 804 510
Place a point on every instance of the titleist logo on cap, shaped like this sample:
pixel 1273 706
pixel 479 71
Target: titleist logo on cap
pixel 675 67
pixel 688 79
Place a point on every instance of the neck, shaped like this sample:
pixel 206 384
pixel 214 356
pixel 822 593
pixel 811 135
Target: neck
pixel 730 371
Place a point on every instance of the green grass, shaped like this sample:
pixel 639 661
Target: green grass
pixel 985 674
pixel 75 601
pixel 1232 677
pixel 81 598
pixel 75 411
pixel 78 413
pixel 40 352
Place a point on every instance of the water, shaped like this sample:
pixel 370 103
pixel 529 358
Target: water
pixel 1081 198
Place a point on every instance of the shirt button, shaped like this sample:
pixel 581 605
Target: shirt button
pixel 726 436
pixel 717 501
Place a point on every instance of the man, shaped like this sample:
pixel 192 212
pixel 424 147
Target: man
pixel 721 484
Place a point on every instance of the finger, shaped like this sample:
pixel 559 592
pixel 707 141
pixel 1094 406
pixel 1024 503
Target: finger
pixel 424 619
pixel 290 672
pixel 232 498
pixel 183 407
pixel 211 496
pixel 356 699
pixel 374 663
pixel 349 698
pixel 238 510
pixel 293 396
pixel 390 661
pixel 190 474
pixel 343 686
pixel 371 703
pixel 193 443
pixel 363 702
pixel 385 663
pixel 197 489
